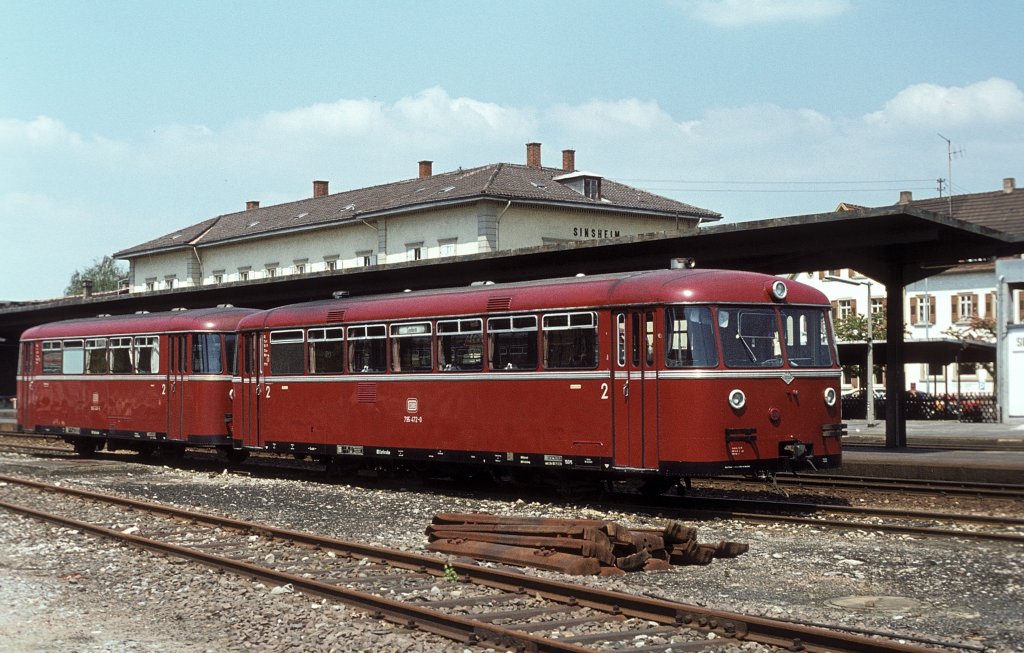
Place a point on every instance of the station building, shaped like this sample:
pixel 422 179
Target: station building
pixel 501 206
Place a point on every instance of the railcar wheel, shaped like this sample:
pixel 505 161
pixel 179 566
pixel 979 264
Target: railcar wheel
pixel 233 456
pixel 172 452
pixel 657 486
pixel 86 447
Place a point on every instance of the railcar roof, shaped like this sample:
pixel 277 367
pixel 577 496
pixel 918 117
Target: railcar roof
pixel 624 289
pixel 203 319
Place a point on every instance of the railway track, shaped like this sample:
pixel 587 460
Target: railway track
pixel 490 606
pixel 912 522
pixel 856 517
pixel 957 488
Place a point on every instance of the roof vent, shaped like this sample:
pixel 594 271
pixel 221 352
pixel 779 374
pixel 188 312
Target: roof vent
pixel 336 315
pixel 225 305
pixel 906 196
pixel 499 304
pixel 684 263
pixel 340 294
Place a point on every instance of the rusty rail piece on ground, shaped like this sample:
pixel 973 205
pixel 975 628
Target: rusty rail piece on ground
pixel 572 546
pixel 608 606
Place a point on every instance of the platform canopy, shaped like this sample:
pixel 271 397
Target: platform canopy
pixel 943 351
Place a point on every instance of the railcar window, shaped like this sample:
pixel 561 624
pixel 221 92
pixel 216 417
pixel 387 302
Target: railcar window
pixel 460 345
pixel 367 348
pixel 53 357
pixel 326 351
pixel 207 353
pixel 147 354
pixel 691 337
pixel 750 337
pixel 120 355
pixel 74 357
pixel 570 341
pixel 25 361
pixel 411 347
pixel 807 343
pixel 649 336
pixel 230 353
pixel 286 352
pixel 96 356
pixel 512 342
pixel 620 338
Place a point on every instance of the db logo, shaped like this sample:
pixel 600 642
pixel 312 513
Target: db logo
pixel 412 405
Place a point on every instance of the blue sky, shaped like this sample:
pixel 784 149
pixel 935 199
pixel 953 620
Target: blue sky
pixel 123 121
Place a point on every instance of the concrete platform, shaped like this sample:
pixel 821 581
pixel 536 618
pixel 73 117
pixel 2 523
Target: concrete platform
pixel 1004 463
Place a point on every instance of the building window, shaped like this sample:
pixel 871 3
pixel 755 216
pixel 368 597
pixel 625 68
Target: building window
pixel 414 251
pixel 151 284
pixel 846 308
pixel 331 263
pixel 300 268
pixel 243 273
pixel 592 188
pixel 365 258
pixel 922 310
pixel 170 281
pixel 271 269
pixel 218 276
pixel 964 307
pixel 877 305
pixel 447 247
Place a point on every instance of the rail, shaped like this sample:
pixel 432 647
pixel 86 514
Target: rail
pixel 595 606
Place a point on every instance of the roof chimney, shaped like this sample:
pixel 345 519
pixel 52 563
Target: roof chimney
pixel 319 189
pixel 86 288
pixel 426 168
pixel 1009 185
pixel 906 196
pixel 252 204
pixel 569 160
pixel 533 155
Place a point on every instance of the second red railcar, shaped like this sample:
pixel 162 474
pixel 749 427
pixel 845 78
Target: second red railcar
pixel 662 375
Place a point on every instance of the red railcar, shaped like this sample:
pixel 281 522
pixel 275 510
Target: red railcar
pixel 132 381
pixel 663 375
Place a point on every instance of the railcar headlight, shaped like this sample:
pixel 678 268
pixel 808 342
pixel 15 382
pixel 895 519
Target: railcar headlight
pixel 737 399
pixel 779 289
pixel 830 397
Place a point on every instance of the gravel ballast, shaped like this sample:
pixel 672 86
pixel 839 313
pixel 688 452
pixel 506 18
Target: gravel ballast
pixel 65 591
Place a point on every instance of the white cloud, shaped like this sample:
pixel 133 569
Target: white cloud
pixel 742 13
pixel 43 131
pixel 604 117
pixel 993 101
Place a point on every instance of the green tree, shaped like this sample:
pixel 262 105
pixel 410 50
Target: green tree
pixel 105 274
pixel 854 328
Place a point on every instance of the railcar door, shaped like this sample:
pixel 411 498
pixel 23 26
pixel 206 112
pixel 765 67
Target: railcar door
pixel 26 374
pixel 635 389
pixel 177 375
pixel 247 403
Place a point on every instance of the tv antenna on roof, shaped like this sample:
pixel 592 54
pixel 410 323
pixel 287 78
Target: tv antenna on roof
pixel 950 153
